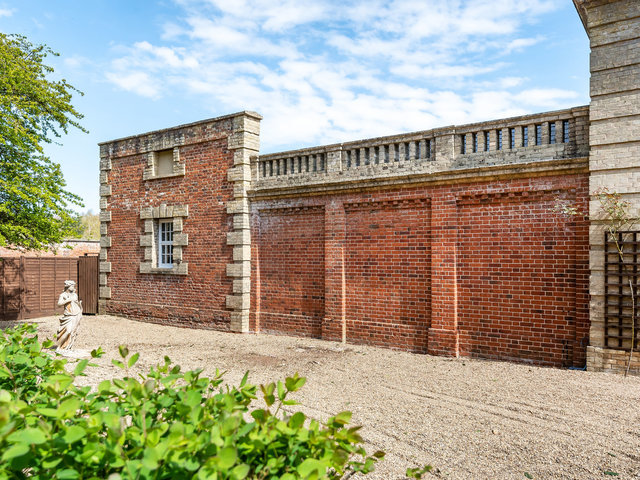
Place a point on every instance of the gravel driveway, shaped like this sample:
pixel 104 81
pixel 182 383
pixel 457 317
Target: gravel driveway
pixel 470 419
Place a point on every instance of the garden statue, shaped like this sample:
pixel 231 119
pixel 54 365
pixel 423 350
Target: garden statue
pixel 71 316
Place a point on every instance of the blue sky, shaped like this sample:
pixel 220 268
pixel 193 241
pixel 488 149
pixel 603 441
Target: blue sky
pixel 319 71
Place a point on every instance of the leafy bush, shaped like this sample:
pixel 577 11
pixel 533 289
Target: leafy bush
pixel 166 424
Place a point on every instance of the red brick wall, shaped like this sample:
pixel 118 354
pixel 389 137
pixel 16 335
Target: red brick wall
pixel 518 272
pixel 480 269
pixel 71 248
pixel 388 273
pixel 291 271
pixel 197 299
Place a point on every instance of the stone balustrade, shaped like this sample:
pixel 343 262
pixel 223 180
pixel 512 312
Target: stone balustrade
pixel 531 138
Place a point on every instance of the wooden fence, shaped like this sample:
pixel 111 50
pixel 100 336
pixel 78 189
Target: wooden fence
pixel 30 286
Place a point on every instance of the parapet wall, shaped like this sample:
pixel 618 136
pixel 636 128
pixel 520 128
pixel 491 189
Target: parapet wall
pixel 432 154
pixel 443 241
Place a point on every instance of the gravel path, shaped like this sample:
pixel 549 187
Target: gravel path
pixel 470 419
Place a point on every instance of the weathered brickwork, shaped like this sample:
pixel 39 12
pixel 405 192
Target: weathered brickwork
pixel 387 265
pixel 614 136
pixel 523 277
pixel 483 269
pixel 289 269
pixel 197 200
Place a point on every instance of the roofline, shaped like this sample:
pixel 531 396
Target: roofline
pixel 582 12
pixel 186 125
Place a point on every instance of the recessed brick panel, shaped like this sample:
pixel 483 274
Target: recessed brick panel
pixel 388 274
pixel 518 277
pixel 290 265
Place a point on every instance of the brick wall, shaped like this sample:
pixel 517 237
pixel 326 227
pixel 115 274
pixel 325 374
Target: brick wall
pixel 483 269
pixel 387 265
pixel 469 260
pixel 289 263
pixel 201 193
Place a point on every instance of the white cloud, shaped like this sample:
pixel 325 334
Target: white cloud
pixel 328 71
pixel 138 82
pixel 77 61
pixel 522 43
pixel 545 97
pixel 6 12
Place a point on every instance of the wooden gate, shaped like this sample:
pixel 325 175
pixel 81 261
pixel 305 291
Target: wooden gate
pixel 88 283
pixel 30 286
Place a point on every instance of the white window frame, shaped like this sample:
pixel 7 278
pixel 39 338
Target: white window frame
pixel 165 245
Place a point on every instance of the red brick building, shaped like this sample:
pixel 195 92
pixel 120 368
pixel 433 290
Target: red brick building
pixel 447 241
pixel 410 242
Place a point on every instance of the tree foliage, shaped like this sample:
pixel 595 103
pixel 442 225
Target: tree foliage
pixel 34 110
pixel 90 226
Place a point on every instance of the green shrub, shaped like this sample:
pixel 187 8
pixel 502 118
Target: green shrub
pixel 163 425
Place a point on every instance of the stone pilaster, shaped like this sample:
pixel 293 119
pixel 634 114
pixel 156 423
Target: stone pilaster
pixel 613 27
pixel 244 141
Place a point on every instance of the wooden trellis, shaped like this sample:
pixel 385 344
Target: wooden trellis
pixel 622 274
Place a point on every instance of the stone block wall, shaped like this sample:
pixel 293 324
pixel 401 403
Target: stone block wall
pixel 613 27
pixel 205 198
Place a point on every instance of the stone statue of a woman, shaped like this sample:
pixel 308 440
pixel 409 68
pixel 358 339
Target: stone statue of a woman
pixel 71 316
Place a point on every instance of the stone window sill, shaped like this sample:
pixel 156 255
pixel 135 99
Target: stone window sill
pixel 177 269
pixel 158 177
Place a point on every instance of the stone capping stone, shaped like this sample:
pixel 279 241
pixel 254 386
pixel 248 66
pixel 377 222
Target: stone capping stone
pixel 194 132
pixel 150 171
pixel 148 238
pixel 244 142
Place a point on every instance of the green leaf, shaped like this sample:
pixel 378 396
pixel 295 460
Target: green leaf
pixel 51 462
pixel 133 360
pixel 227 458
pixel 15 451
pixel 528 475
pixel 240 472
pixel 67 474
pixel 281 391
pixel 97 353
pixel 74 433
pixel 104 386
pixel 611 474
pixel 296 420
pixel 343 418
pixel 68 406
pixel 5 397
pixel 123 350
pixel 82 364
pixel 33 435
pixel 117 363
pixel 48 412
pixel 311 466
pixel 150 458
